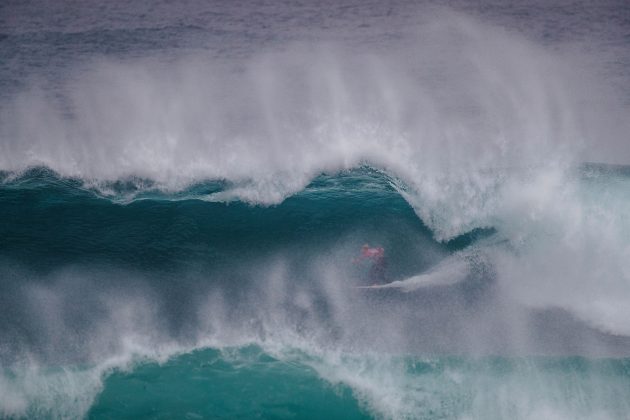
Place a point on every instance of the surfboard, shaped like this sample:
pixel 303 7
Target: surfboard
pixel 447 273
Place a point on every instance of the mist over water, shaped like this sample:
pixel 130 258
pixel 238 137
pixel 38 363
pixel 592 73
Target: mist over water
pixel 190 189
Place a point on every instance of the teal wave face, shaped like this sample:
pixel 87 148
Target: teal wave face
pixel 239 383
pixel 249 383
pixel 63 222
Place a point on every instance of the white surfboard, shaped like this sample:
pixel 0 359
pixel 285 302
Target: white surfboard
pixel 447 273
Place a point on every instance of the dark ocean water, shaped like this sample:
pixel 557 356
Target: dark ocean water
pixel 184 188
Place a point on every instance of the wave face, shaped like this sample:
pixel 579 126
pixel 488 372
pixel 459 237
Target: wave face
pixel 183 199
pixel 448 387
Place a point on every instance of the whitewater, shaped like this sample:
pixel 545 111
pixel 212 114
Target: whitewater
pixel 184 189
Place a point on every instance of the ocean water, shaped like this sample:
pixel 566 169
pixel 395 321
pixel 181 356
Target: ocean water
pixel 185 187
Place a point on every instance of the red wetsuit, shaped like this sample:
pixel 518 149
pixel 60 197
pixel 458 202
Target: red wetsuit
pixel 379 263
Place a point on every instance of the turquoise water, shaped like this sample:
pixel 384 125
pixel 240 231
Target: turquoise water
pixel 248 383
pixel 233 383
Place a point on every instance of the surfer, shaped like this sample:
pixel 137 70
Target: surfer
pixel 379 262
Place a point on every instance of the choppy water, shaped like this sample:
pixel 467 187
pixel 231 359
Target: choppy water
pixel 184 187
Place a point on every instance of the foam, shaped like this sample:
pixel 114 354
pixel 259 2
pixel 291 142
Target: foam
pixel 571 241
pixel 453 99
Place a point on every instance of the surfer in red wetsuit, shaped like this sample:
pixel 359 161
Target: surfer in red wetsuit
pixel 379 263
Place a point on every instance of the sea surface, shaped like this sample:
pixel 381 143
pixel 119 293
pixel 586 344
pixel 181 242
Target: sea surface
pixel 185 188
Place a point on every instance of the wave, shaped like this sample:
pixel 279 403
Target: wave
pixel 149 211
pixel 464 97
pixel 251 380
pixel 364 386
